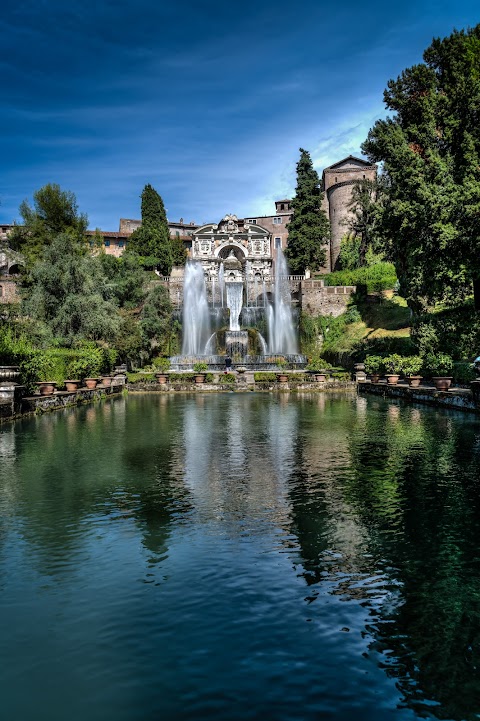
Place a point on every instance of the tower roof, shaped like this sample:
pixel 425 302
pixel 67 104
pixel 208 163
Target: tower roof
pixel 349 160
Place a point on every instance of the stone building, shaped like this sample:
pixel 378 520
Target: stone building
pixel 338 180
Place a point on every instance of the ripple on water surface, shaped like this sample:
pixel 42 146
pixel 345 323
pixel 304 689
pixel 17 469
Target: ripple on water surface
pixel 240 557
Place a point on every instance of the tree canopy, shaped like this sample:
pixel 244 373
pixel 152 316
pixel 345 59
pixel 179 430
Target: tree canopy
pixel 152 241
pixel 430 150
pixel 308 228
pixel 54 211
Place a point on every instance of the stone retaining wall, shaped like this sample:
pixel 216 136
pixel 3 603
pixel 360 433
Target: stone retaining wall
pixel 60 399
pixel 459 398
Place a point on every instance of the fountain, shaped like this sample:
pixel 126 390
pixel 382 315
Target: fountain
pixel 230 301
pixel 196 315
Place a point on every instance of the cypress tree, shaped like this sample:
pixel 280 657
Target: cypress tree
pixel 152 240
pixel 309 226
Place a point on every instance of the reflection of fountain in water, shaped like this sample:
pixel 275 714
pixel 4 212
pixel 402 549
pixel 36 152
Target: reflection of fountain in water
pixel 196 315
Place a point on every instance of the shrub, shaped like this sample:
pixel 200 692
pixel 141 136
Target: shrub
pixel 227 378
pixel 377 277
pixel 374 364
pixel 161 363
pixel 393 363
pixel 438 364
pixel 88 363
pixel 318 364
pixel 463 373
pixel 200 367
pixel 264 376
pixel 412 365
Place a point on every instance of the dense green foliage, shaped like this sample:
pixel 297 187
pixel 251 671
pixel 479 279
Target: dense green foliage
pixel 308 228
pixel 69 293
pixel 54 211
pixel 364 224
pixel 152 241
pixel 430 150
pixel 374 278
pixel 90 305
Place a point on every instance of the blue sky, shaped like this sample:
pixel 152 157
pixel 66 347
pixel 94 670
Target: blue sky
pixel 208 101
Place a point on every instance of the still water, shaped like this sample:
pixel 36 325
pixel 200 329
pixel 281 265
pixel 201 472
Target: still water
pixel 240 557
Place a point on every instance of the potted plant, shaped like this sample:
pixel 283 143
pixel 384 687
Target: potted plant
pixel 319 368
pixel 412 365
pixel 281 375
pixel 374 367
pixel 163 366
pixel 200 370
pixel 440 366
pixel 393 367
pixel 107 381
pixel 46 388
pixel 71 385
pixel 91 383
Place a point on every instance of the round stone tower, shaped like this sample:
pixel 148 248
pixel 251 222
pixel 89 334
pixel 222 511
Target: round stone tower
pixel 338 181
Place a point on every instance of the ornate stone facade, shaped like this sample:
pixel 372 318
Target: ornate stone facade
pixel 250 244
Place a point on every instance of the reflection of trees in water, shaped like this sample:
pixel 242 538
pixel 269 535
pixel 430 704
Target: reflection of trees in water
pixel 412 495
pixel 94 461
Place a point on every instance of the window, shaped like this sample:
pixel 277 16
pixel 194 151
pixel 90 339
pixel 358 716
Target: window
pixel 106 243
pixel 282 207
pixel 278 242
pixel 277 221
pixel 177 234
pixel 1 291
pixel 253 221
pixel 121 243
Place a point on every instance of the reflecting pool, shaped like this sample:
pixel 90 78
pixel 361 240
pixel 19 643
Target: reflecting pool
pixel 240 556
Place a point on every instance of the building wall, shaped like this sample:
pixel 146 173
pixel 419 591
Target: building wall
pixel 317 299
pixel 338 181
pixel 8 290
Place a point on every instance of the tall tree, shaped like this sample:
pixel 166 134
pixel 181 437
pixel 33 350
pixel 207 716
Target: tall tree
pixel 152 240
pixel 70 294
pixel 54 211
pixel 430 151
pixel 366 211
pixel 308 228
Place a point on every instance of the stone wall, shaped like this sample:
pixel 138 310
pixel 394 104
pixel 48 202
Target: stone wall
pixel 318 299
pixel 8 290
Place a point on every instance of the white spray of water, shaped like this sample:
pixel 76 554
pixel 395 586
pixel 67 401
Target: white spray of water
pixel 221 281
pixel 196 316
pixel 234 303
pixel 281 329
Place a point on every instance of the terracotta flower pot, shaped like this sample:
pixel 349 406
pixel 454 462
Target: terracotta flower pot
pixel 282 378
pixel 375 377
pixel 72 385
pixel 414 381
pixel 46 388
pixel 200 378
pixel 107 381
pixel 91 383
pixel 161 378
pixel 320 377
pixel 442 383
pixel 392 379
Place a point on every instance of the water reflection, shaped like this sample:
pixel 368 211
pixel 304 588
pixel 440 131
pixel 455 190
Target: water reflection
pixel 236 521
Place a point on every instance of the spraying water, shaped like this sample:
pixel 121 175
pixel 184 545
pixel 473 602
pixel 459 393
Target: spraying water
pixel 234 303
pixel 281 329
pixel 196 316
pixel 221 281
